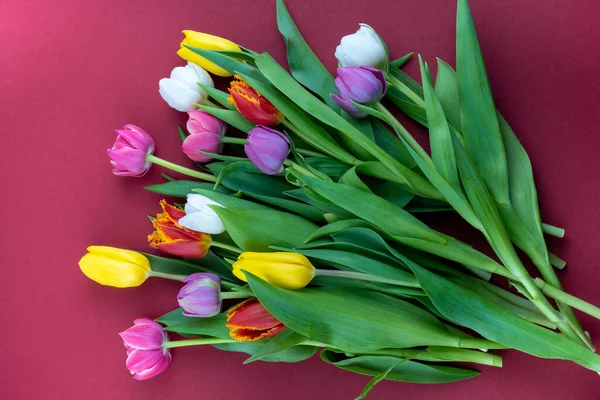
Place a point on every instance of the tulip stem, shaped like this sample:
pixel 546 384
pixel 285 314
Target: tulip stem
pixel 234 295
pixel 178 168
pixel 164 275
pixel 226 247
pixel 299 168
pixel 553 230
pixel 401 86
pixel 196 342
pixel 234 140
pixel 363 277
pixel 568 299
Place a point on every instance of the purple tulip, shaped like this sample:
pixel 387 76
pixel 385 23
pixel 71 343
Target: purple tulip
pixel 128 154
pixel 267 149
pixel 364 85
pixel 146 354
pixel 201 296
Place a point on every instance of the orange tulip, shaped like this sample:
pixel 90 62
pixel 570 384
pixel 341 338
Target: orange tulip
pixel 250 321
pixel 252 105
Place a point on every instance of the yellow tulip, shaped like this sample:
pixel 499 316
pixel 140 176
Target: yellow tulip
pixel 285 270
pixel 206 42
pixel 115 267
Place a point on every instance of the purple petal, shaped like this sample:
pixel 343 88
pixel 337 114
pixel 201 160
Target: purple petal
pixel 349 107
pixel 203 275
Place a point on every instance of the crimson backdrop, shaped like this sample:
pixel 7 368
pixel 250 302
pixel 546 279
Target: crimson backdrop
pixel 73 70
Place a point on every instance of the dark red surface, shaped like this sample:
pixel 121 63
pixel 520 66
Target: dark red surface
pixel 73 70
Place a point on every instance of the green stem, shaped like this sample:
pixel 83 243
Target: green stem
pixel 568 299
pixel 398 84
pixel 299 168
pixel 234 295
pixel 556 261
pixel 234 140
pixel 225 246
pixel 156 274
pixel 477 343
pixel 362 277
pixel 443 354
pixel 196 342
pixel 553 230
pixel 178 168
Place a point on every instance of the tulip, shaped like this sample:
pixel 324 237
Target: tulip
pixel 147 355
pixel 363 48
pixel 364 85
pixel 267 149
pixel 206 132
pixel 285 270
pixel 172 238
pixel 128 154
pixel 206 42
pixel 200 217
pixel 110 266
pixel 181 90
pixel 252 105
pixel 250 321
pixel 201 296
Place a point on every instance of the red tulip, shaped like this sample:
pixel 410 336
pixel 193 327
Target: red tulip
pixel 252 104
pixel 250 321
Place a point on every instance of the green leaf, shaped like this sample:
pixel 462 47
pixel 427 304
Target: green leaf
pixel 249 179
pixel 174 317
pixel 173 266
pixel 232 117
pixel 238 55
pixel 278 343
pixel 336 227
pixel 339 317
pixel 408 371
pixel 378 379
pixel 181 188
pixel 329 166
pixel 218 95
pixel 446 89
pixel 307 211
pixel 211 326
pixel 182 134
pixel 399 62
pixel 308 196
pixel 229 64
pixel 394 193
pixel 480 127
pixel 291 355
pixel 390 143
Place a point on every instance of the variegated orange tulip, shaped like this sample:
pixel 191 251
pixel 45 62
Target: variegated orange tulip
pixel 252 105
pixel 175 239
pixel 250 321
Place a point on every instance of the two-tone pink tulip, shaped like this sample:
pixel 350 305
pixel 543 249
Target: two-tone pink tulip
pixel 128 156
pixel 206 133
pixel 147 355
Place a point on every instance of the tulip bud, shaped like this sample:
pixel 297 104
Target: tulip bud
pixel 206 132
pixel 200 217
pixel 363 48
pixel 110 266
pixel 146 354
pixel 181 90
pixel 128 154
pixel 267 149
pixel 364 85
pixel 250 321
pixel 201 296
pixel 252 105
pixel 172 238
pixel 206 42
pixel 281 269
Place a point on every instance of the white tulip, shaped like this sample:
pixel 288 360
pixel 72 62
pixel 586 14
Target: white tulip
pixel 363 48
pixel 200 217
pixel 181 90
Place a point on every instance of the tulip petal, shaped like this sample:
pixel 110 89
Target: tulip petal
pixel 206 141
pixel 144 336
pixel 251 314
pixel 112 272
pixel 139 360
pixel 203 223
pixel 158 368
pixel 178 95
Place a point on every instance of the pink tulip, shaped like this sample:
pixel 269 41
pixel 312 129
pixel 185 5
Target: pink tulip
pixel 206 132
pixel 128 154
pixel 146 354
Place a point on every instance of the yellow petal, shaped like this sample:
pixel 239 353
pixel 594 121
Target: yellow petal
pixel 194 58
pixel 284 275
pixel 121 254
pixel 113 272
pixel 209 42
pixel 288 257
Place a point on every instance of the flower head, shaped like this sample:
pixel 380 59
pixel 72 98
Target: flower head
pixel 170 237
pixel 206 132
pixel 250 321
pixel 252 105
pixel 146 354
pixel 200 217
pixel 181 90
pixel 128 154
pixel 281 269
pixel 364 85
pixel 206 42
pixel 267 149
pixel 110 266
pixel 362 48
pixel 201 296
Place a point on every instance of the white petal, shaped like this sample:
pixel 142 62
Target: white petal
pixel 200 202
pixel 203 223
pixel 361 48
pixel 178 95
pixel 202 76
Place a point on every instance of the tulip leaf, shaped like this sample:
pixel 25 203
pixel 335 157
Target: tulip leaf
pixel 258 230
pixel 336 227
pixel 399 62
pixel 304 64
pixel 339 317
pixel 305 210
pixel 278 343
pixel 247 178
pixel 378 378
pixel 173 266
pixel 220 96
pixel 447 92
pixel 290 355
pixel 229 201
pixel 393 290
pixel 174 317
pixel 182 188
pixel 211 326
pixel 329 166
pixel 238 55
pixel 407 371
pixel 232 117
pixel 390 143
pixel 307 196
pixel 229 64
pixel 480 128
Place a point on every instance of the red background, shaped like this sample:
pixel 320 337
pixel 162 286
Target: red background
pixel 73 70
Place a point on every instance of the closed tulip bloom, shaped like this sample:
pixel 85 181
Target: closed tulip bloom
pixel 172 238
pixel 267 149
pixel 281 269
pixel 201 296
pixel 146 354
pixel 250 321
pixel 363 48
pixel 206 42
pixel 181 91
pixel 364 85
pixel 200 217
pixel 252 105
pixel 206 133
pixel 128 154
pixel 115 267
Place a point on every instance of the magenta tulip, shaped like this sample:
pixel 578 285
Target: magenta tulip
pixel 201 296
pixel 146 354
pixel 267 149
pixel 128 154
pixel 363 85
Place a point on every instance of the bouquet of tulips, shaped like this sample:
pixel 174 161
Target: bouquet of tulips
pixel 310 219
